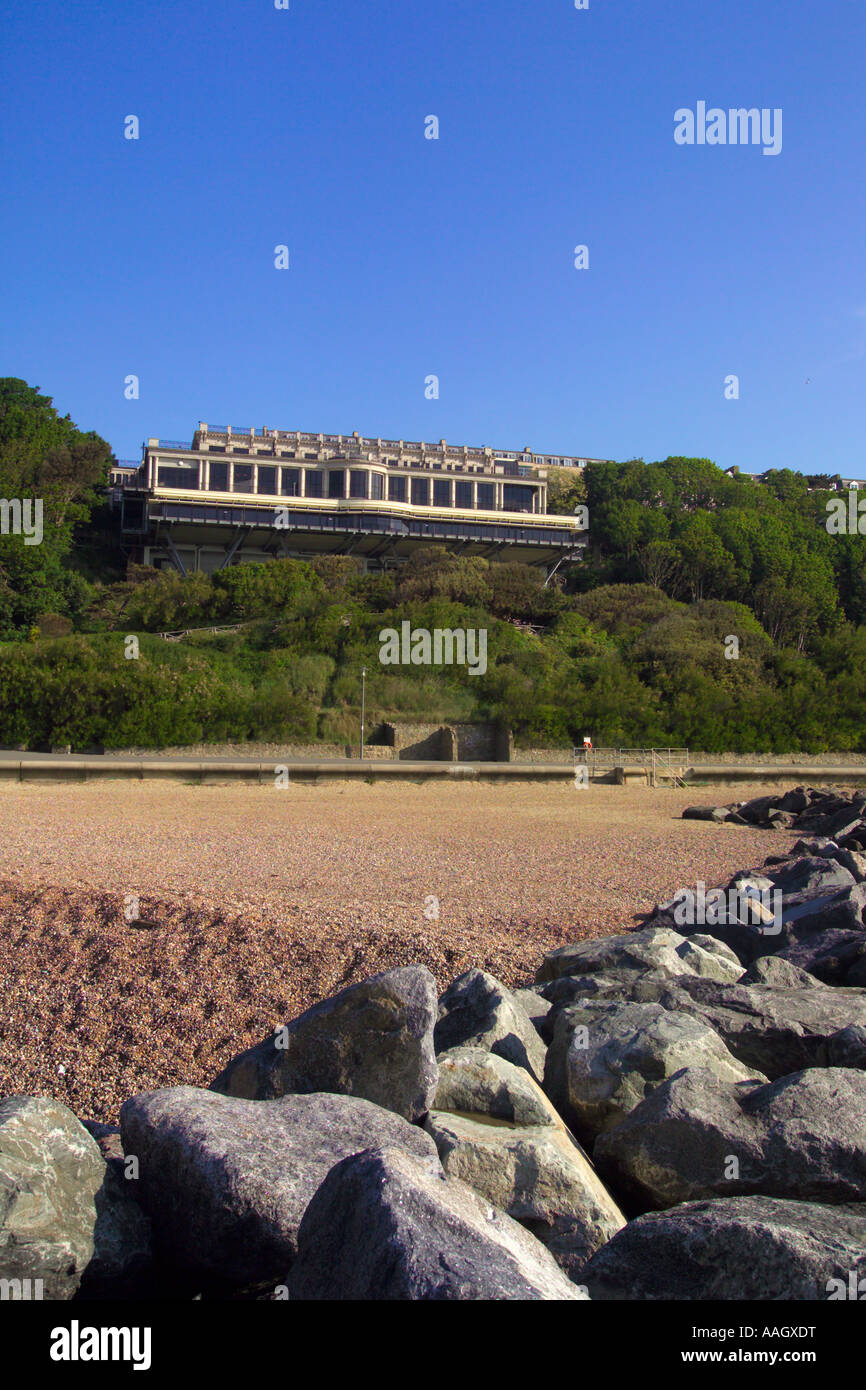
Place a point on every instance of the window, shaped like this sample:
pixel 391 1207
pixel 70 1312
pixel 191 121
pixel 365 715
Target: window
pixel 357 482
pixel 441 492
pixel 462 494
pixel 313 482
pixel 517 498
pixel 486 497
pixel 219 477
pixel 177 477
pixel 396 489
pixel 336 482
pixel 267 480
pixel 287 453
pixel 243 477
pixel 420 492
pixel 291 485
pixel 377 487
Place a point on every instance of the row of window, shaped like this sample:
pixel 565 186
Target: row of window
pixel 362 484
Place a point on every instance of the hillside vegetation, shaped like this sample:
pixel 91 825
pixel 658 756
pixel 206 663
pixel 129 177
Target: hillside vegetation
pixel 633 646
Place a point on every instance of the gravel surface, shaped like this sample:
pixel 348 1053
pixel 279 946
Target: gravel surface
pixel 266 900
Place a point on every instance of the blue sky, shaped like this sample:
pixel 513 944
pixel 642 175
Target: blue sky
pixel 454 257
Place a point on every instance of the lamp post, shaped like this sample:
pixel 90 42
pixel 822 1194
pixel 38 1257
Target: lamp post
pixel 363 704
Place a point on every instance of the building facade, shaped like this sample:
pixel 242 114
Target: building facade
pixel 235 494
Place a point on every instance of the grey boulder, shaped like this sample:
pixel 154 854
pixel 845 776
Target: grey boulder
pixel 761 1248
pixel 474 1081
pixel 656 948
pixel 773 1030
pixel 619 1053
pixel 384 1225
pixel 227 1181
pixel 534 1005
pixel 847 1048
pixel 62 1214
pixel 373 1040
pixel 538 1174
pixel 478 1011
pixel 803 1136
pixel 782 974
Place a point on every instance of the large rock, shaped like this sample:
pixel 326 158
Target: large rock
pixel 847 1048
pixel 753 1248
pixel 383 1225
pixel 834 955
pixel 122 1264
pixel 656 948
pixel 536 1173
pixel 773 1030
pixel 809 878
pixel 57 1214
pixel 815 895
pixel 478 1011
pixel 474 1081
pixel 227 1181
pixel 781 974
pixel 534 1005
pixel 718 814
pixel 824 812
pixel 619 1053
pixel 694 1136
pixel 373 1040
pixel 613 984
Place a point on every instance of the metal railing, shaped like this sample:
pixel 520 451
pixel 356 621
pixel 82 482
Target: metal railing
pixel 667 763
pixel 191 631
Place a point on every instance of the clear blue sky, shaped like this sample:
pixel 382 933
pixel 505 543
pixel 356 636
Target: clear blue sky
pixel 454 257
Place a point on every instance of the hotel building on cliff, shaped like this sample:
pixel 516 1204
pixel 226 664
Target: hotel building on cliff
pixel 241 494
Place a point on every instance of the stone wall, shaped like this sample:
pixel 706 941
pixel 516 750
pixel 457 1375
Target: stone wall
pixel 373 752
pixel 459 742
pixel 542 755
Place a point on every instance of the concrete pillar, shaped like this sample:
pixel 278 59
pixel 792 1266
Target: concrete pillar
pixel 231 477
pixel 204 475
pixel 255 479
pixel 475 495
